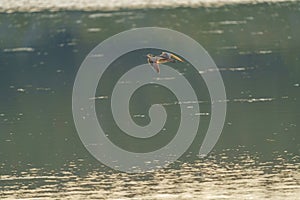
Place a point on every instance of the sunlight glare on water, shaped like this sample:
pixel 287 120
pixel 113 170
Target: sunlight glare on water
pixel 216 177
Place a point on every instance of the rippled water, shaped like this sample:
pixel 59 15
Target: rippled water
pixel 257 157
pixel 223 176
pixel 92 5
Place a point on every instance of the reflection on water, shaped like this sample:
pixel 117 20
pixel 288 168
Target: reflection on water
pixel 257 157
pixel 92 5
pixel 223 176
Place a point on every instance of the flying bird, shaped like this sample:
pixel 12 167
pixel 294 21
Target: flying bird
pixel 164 57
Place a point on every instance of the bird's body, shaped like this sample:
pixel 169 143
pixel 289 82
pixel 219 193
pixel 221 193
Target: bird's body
pixel 171 57
pixel 164 57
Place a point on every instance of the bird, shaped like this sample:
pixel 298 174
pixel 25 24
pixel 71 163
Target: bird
pixel 164 57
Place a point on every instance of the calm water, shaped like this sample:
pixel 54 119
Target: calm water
pixel 256 48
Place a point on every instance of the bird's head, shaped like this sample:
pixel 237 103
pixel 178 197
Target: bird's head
pixel 149 55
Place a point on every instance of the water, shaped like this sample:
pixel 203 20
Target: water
pixel 257 156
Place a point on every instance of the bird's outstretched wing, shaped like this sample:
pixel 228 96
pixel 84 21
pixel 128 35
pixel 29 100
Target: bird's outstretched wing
pixel 176 57
pixel 154 65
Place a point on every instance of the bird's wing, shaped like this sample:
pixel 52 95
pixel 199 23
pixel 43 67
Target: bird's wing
pixel 176 57
pixel 154 65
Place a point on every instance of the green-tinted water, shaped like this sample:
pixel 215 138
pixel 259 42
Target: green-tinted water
pixel 256 48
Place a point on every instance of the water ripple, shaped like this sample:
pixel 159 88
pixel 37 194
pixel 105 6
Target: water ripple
pixel 229 175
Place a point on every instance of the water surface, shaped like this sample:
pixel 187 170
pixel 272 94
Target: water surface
pixel 257 156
